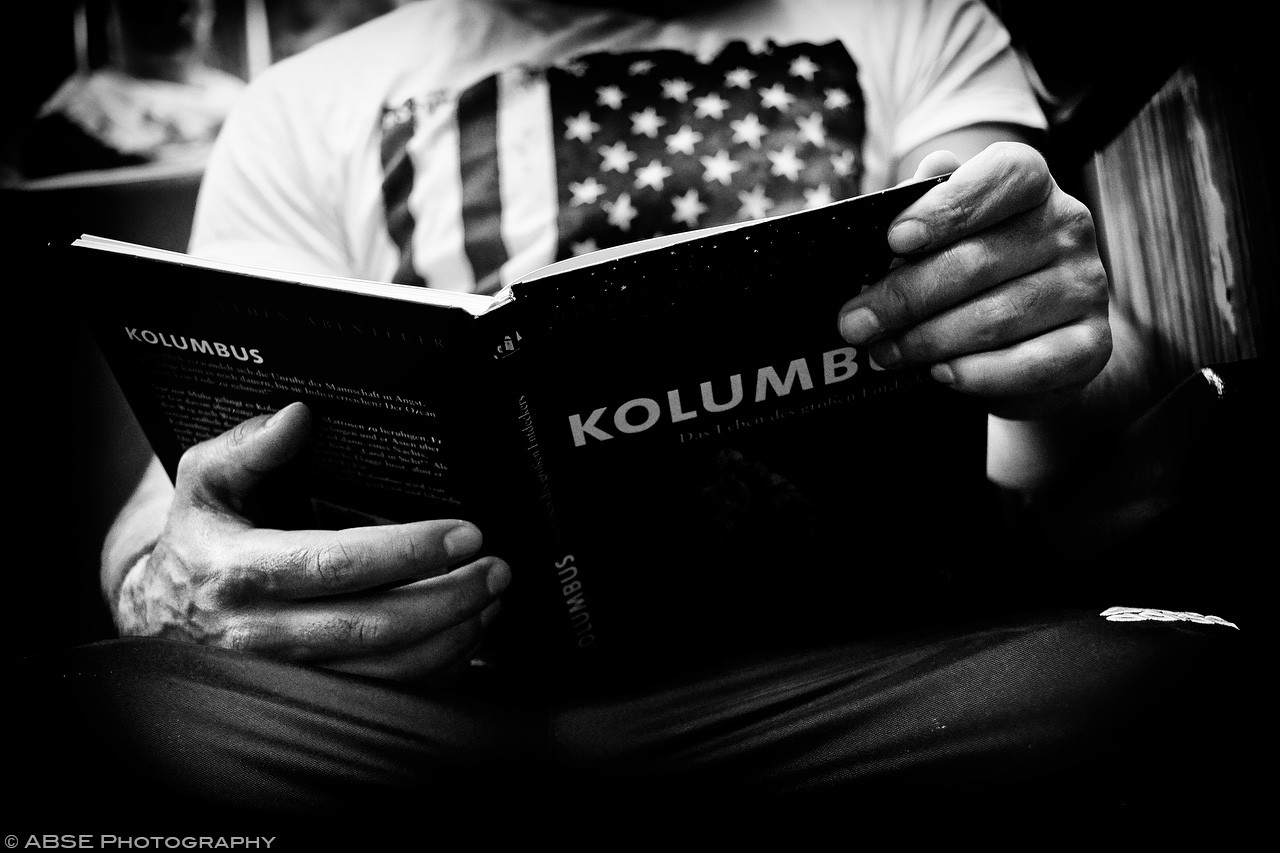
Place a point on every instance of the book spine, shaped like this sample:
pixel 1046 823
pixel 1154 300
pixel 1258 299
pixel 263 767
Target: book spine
pixel 547 626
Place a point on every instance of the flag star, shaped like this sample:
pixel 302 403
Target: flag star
pixel 683 140
pixel 755 204
pixel 676 90
pixel 785 163
pixel 719 168
pixel 818 197
pixel 609 96
pixel 654 175
pixel 580 127
pixel 748 129
pixel 647 122
pixel 640 67
pixel 843 163
pixel 688 208
pixel 621 211
pixel 617 157
pixel 577 68
pixel 711 106
pixel 811 129
pixel 739 78
pixel 836 99
pixel 803 67
pixel 585 192
pixel 776 96
pixel 585 247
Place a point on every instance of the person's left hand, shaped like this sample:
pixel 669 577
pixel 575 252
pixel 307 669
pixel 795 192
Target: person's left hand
pixel 1002 292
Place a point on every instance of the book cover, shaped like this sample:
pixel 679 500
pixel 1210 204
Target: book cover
pixel 669 442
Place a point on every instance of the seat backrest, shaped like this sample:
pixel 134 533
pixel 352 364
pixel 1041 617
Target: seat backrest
pixel 152 205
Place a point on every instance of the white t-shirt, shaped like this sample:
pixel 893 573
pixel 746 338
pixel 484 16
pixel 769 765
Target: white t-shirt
pixel 460 143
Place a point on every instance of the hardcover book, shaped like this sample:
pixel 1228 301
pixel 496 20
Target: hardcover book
pixel 669 441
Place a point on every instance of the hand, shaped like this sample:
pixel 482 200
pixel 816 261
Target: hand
pixel 389 601
pixel 1002 291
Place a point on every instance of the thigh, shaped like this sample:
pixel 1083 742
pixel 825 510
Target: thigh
pixel 174 728
pixel 1054 712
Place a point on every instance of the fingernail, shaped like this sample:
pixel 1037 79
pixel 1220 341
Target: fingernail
pixel 886 354
pixel 462 540
pixel 943 373
pixel 499 577
pixel 274 419
pixel 908 236
pixel 859 326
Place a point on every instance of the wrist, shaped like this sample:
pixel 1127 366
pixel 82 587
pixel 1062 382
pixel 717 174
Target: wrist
pixel 128 609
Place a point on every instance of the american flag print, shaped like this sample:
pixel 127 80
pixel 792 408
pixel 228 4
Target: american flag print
pixel 642 143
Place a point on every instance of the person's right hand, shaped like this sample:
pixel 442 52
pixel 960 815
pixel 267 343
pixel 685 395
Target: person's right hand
pixel 398 601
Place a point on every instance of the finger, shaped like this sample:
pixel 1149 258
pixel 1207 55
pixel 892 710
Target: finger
pixel 1060 360
pixel 375 623
pixel 1001 180
pixel 299 564
pixel 224 470
pixel 936 163
pixel 996 318
pixel 928 285
pixel 431 656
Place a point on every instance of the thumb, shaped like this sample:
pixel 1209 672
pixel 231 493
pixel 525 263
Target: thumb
pixel 225 470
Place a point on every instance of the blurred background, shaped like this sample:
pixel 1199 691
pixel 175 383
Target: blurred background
pixel 111 106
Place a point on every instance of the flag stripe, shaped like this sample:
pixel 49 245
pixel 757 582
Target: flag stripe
pixel 481 193
pixel 529 192
pixel 397 183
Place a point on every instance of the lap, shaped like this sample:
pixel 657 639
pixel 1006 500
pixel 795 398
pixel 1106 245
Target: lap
pixel 1066 704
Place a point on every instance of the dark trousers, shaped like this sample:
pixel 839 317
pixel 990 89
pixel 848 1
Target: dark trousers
pixel 1062 715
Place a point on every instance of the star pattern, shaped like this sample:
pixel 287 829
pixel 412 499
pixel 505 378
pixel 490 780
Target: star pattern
pixel 654 142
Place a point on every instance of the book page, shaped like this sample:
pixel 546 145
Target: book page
pixel 640 246
pixel 475 303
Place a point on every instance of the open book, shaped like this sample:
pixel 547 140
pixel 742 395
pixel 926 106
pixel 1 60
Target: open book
pixel 669 441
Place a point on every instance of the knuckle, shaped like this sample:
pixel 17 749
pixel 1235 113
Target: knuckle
pixel 1100 344
pixel 331 564
pixel 1090 287
pixel 1005 314
pixel 1083 360
pixel 959 208
pixel 370 629
pixel 899 296
pixel 1025 172
pixel 452 602
pixel 186 564
pixel 239 434
pixel 1022 159
pixel 362 629
pixel 242 635
pixel 964 260
pixel 1076 226
pixel 248 578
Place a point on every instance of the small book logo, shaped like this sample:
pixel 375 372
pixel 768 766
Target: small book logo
pixel 507 346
